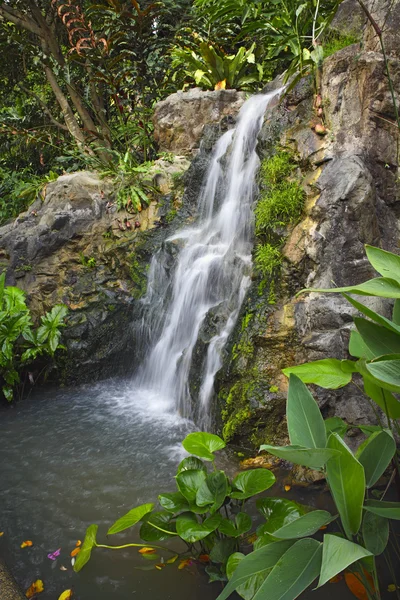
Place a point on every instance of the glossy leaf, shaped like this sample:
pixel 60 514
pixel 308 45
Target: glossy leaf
pixel 380 286
pixel 329 373
pixel 213 491
pixel 375 455
pixel 337 555
pixel 250 483
pixel 337 425
pixel 358 348
pixel 304 526
pixel 203 444
pixel 314 458
pixel 305 423
pixel 174 502
pixel 373 315
pixel 221 550
pixel 386 263
pixel 383 398
pixel 189 483
pixel 378 339
pixel 130 519
pixel 278 512
pixel 191 463
pixel 236 528
pixel 375 532
pixel 190 530
pixel 387 372
pixel 347 482
pixel 157 527
pixel 86 549
pixel 389 510
pixel 254 564
pixel 293 572
pixel 251 585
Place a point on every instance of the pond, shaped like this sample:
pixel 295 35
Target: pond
pixel 88 455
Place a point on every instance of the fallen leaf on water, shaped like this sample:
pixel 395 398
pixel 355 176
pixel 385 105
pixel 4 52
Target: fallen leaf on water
pixel 185 563
pixel 251 538
pixel 147 550
pixel 66 595
pixel 36 587
pixel 73 561
pixel 160 566
pixel 62 568
pixel 78 543
pixel 26 544
pixel 1 533
pixel 392 587
pixel 336 579
pixel 356 587
pixel 288 488
pixel 75 551
pixel 171 561
pixel 54 555
pixel 323 527
pixel 204 558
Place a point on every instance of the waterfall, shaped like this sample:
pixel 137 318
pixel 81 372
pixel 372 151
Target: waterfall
pixel 212 273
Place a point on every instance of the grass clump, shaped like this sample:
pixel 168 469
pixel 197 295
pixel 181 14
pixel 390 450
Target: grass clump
pixel 283 204
pixel 268 259
pixel 336 42
pixel 277 168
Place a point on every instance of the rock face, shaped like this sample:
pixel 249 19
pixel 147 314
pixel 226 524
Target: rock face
pixel 179 120
pixel 353 198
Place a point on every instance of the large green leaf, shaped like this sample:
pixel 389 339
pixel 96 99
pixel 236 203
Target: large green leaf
pixel 174 502
pixel 254 564
pixel 337 425
pixel 380 286
pixel 387 372
pixel 347 482
pixel 221 550
pixel 375 455
pixel 131 518
pixel 379 340
pixel 236 528
pixel 278 512
pixel 389 510
pixel 314 458
pixel 157 527
pixel 386 263
pixel 375 532
pixel 249 483
pixel 383 398
pixel 251 585
pixel 191 463
pixel 203 444
pixel 305 525
pixel 189 483
pixel 293 572
pixel 358 348
pixel 86 549
pixel 213 491
pixel 396 312
pixel 373 315
pixel 337 555
pixel 329 373
pixel 190 530
pixel 305 423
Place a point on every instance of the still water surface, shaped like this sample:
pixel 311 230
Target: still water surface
pixel 75 457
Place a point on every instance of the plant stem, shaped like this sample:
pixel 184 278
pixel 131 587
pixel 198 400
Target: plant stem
pixel 134 546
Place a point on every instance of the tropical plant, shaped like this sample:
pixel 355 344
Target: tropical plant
pixel 21 343
pixel 286 560
pixel 211 68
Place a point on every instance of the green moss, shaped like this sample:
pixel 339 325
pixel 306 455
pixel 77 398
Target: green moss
pixel 138 276
pixel 271 293
pixel 243 348
pixel 171 214
pixel 237 410
pixel 246 320
pixel 268 259
pixel 336 42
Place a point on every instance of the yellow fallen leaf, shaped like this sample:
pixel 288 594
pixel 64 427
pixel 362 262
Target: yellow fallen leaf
pixel 288 488
pixel 78 543
pixel 184 563
pixel 323 527
pixel 36 587
pixel 171 561
pixel 66 595
pixel 160 566
pixel 75 551
pixel 62 568
pixel 1 533
pixel 251 538
pixel 392 587
pixel 26 544
pixel 147 550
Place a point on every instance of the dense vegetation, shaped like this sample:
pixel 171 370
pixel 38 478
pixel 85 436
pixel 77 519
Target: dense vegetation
pixel 81 78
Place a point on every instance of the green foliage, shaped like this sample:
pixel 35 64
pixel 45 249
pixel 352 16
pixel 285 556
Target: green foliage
pixel 335 42
pixel 87 261
pixel 282 205
pixel 268 260
pixel 20 342
pixel 209 67
pixel 129 179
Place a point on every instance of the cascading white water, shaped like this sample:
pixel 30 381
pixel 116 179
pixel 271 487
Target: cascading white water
pixel 212 272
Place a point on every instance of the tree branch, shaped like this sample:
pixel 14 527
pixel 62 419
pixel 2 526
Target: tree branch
pixel 45 107
pixel 19 19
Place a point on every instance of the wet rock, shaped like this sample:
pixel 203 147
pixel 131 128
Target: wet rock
pixel 179 120
pixel 8 587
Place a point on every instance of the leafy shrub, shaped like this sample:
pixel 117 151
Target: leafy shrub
pixel 282 205
pixel 268 259
pixel 20 342
pixel 277 168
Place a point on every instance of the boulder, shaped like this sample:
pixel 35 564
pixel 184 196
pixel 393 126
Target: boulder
pixel 179 120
